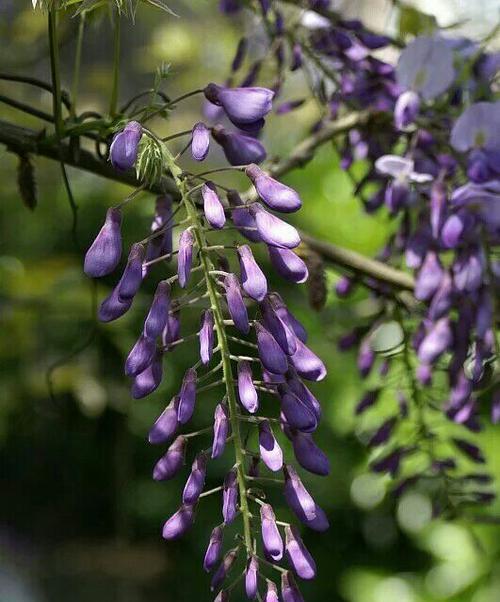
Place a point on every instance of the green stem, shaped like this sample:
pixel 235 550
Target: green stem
pixel 55 72
pixel 78 60
pixel 116 66
pixel 223 343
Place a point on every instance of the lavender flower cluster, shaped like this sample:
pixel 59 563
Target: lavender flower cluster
pixel 238 302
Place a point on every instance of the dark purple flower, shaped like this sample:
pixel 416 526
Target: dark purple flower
pixel 230 7
pixel 275 195
pixel 156 319
pixel 271 538
pixel 149 379
pixel 240 54
pixel 200 141
pixel 442 300
pixel 296 57
pixel 131 279
pixel 246 389
pixel 468 270
pixel 303 393
pixel 166 424
pixel 196 480
pixel 279 329
pixel 214 549
pixel 179 523
pixel 272 356
pixel 230 498
pixel 436 341
pixel 104 254
pixel 367 401
pixel 125 145
pixel 286 315
pixel 251 578
pixel 298 555
pixel 245 107
pixel 273 230
pixel 238 148
pixel 140 356
pixel 366 358
pixel 344 286
pixel 252 277
pixel 170 463
pixel 298 414
pixel 185 257
pixel 383 433
pixel 429 277
pixel 309 455
pixel 270 451
pixel 187 396
pixel 301 502
pixel 172 330
pixel 242 218
pixel 112 308
pixel 289 106
pixel 289 590
pixel 212 207
pixel 470 450
pixel 389 463
pixel 221 430
pixel 307 363
pixel 406 109
pixel 224 568
pixel 206 336
pixel 235 303
pixel 288 264
pixel 161 244
pixel 272 592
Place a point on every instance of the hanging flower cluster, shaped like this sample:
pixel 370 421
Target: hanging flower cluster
pixel 240 312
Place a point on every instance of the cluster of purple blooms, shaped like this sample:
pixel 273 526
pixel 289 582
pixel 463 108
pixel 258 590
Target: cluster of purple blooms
pixel 282 358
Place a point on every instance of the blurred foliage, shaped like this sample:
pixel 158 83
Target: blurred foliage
pixel 80 516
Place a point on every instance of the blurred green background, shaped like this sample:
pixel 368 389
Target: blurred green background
pixel 80 517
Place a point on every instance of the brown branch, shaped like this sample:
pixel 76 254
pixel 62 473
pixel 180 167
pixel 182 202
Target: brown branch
pixel 21 140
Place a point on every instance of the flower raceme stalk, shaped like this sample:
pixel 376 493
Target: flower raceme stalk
pixel 239 306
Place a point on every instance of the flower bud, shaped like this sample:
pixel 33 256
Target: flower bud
pixel 309 455
pixel 161 244
pixel 214 549
pixel 157 317
pixel 166 424
pixel 275 195
pixel 185 257
pixel 206 336
pixel 235 303
pixel 436 342
pixel 245 107
pixel 131 279
pixel 212 207
pixel 367 401
pixel 187 396
pixel 170 463
pixel 288 264
pixel 429 277
pixel 246 389
pixel 298 555
pixel 172 330
pixel 406 109
pixel 307 363
pixel 273 230
pixel 252 277
pixel 251 578
pixel 224 568
pixel 270 451
pixel 468 271
pixel 104 254
pixel 286 315
pixel 140 356
pixel 270 353
pixel 298 414
pixel 289 590
pixel 470 450
pixel 242 218
pixel 200 141
pixel 366 358
pixel 303 393
pixel 125 145
pixel 149 379
pixel 221 430
pixel 238 148
pixel 230 497
pixel 112 308
pixel 301 502
pixel 271 538
pixel 179 523
pixel 280 330
pixel 272 592
pixel 196 480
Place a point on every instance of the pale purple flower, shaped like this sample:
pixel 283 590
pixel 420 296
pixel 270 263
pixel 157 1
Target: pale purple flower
pixel 273 230
pixel 214 549
pixel 301 502
pixel 271 538
pixel 401 169
pixel 426 66
pixel 429 277
pixel 179 523
pixel 437 207
pixel 275 195
pixel 242 218
pixel 298 555
pixel 238 148
pixel 221 430
pixel 253 279
pixel 235 303
pixel 104 254
pixel 196 480
pixel 187 396
pixel 206 336
pixel 246 389
pixel 289 589
pixel 251 578
pixel 437 341
pixel 477 127
pixel 272 592
pixel 230 498
pixel 200 141
pixel 270 451
pixel 125 145
pixel 185 257
pixel 156 319
pixel 166 424
pixel 171 462
pixel 406 109
pixel 307 363
pixel 468 270
pixel 212 207
pixel 288 264
pixel 245 107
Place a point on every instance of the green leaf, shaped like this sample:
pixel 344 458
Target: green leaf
pixel 414 22
pixel 387 338
pixel 162 5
